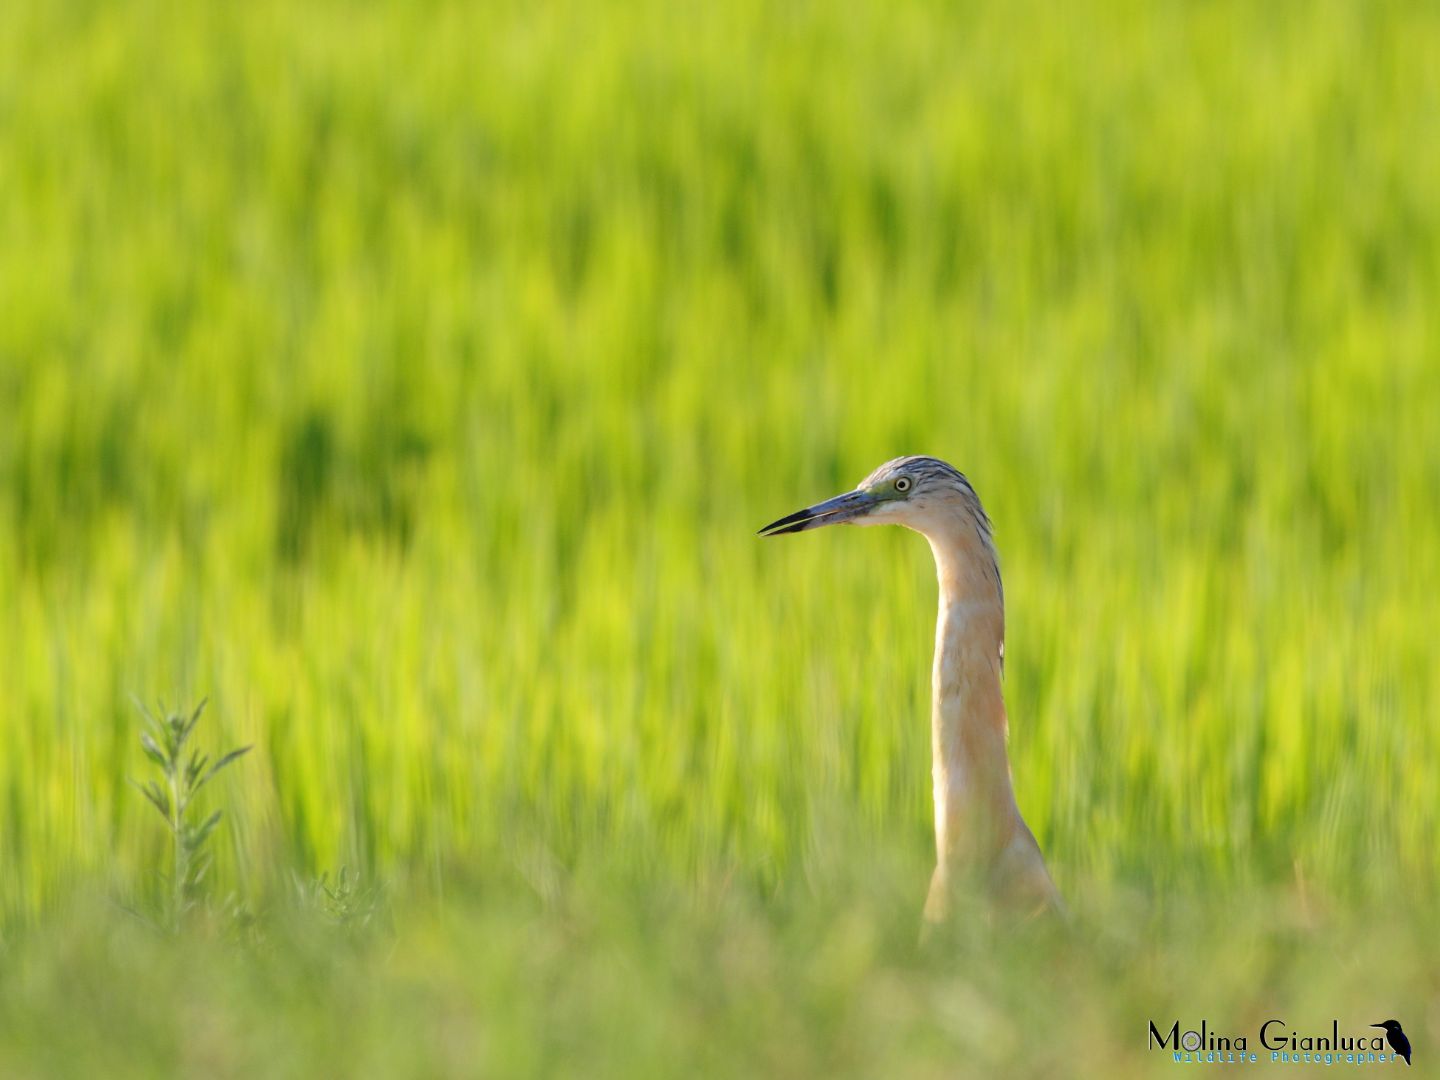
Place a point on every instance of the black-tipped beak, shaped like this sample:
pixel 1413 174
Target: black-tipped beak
pixel 836 511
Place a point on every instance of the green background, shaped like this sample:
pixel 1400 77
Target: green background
pixel 410 379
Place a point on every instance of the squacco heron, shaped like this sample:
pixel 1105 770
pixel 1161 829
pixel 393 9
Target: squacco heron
pixel 981 840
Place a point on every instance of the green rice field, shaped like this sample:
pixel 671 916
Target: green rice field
pixel 409 381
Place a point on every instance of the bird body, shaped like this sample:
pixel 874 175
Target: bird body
pixel 1395 1036
pixel 980 836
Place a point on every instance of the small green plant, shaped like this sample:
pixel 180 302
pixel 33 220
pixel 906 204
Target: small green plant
pixel 173 795
pixel 343 900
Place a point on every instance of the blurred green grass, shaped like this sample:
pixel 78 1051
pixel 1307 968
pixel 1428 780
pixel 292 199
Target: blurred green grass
pixel 410 379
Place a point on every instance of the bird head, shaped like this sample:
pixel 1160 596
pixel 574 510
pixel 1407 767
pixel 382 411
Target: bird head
pixel 912 491
pixel 1388 1025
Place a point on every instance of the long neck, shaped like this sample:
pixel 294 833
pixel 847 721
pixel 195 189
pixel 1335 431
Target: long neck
pixel 975 810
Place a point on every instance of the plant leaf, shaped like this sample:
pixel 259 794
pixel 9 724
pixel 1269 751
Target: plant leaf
pixel 226 760
pixel 156 795
pixel 203 832
pixel 152 749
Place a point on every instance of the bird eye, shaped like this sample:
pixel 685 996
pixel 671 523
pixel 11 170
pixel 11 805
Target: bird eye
pixel 902 484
